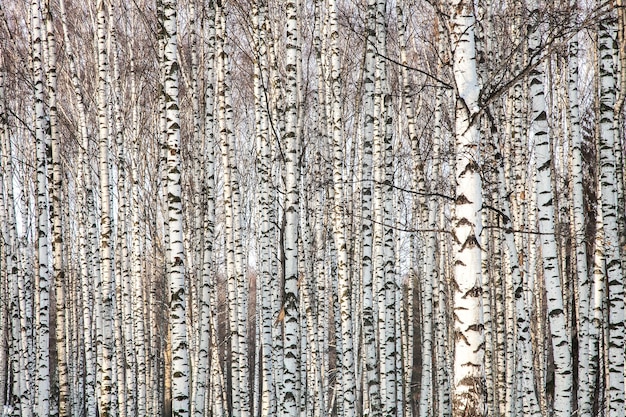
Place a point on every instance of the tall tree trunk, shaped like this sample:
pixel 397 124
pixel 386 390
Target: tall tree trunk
pixel 105 310
pixel 176 260
pixel 540 136
pixel 348 381
pixel 367 276
pixel 56 216
pixel 267 230
pixel 291 367
pixel 43 277
pixel 469 385
pixel 578 234
pixel 202 392
pixel 609 195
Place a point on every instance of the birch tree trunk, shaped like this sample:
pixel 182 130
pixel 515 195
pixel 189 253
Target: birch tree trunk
pixel 176 269
pixel 469 385
pixel 578 224
pixel 339 223
pixel 202 395
pixel 8 276
pixel 43 277
pixel 609 196
pixel 540 136
pixel 369 312
pixel 136 273
pixel 104 311
pixel 56 216
pixel 291 367
pixel 267 232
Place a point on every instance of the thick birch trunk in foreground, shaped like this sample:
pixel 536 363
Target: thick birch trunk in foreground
pixel 178 303
pixel 468 397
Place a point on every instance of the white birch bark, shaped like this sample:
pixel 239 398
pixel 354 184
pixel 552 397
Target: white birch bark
pixel 229 221
pixel 339 222
pixel 8 276
pixel 237 283
pixel 322 286
pixel 609 195
pixel 86 232
pixel 56 217
pixel 28 373
pixel 369 312
pixel 540 137
pixel 136 272
pixel 446 341
pixel 124 351
pixel 468 382
pixel 43 276
pixel 290 397
pixel 104 311
pixel 177 303
pixel 267 232
pixel 393 347
pixel 11 265
pixel 443 338
pixel 527 396
pixel 597 305
pixel 578 226
pixel 205 348
pixel 439 401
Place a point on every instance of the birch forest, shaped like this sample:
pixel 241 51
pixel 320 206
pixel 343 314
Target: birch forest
pixel 251 208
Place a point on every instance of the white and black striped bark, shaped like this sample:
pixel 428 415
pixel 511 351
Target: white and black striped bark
pixel 348 382
pixel 202 391
pixel 176 261
pixel 56 216
pixel 468 396
pixel 265 202
pixel 43 275
pixel 291 397
pixel 585 401
pixel 237 284
pixel 607 32
pixel 136 268
pixel 86 232
pixel 540 137
pixel 372 379
pixel 104 310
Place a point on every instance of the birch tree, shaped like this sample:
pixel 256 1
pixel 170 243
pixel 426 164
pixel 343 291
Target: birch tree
pixel 291 396
pixel 43 278
pixel 369 335
pixel 56 215
pixel 339 224
pixel 540 137
pixel 468 390
pixel 609 196
pixel 176 269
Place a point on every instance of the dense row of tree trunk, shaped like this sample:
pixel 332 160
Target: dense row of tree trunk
pixel 312 207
